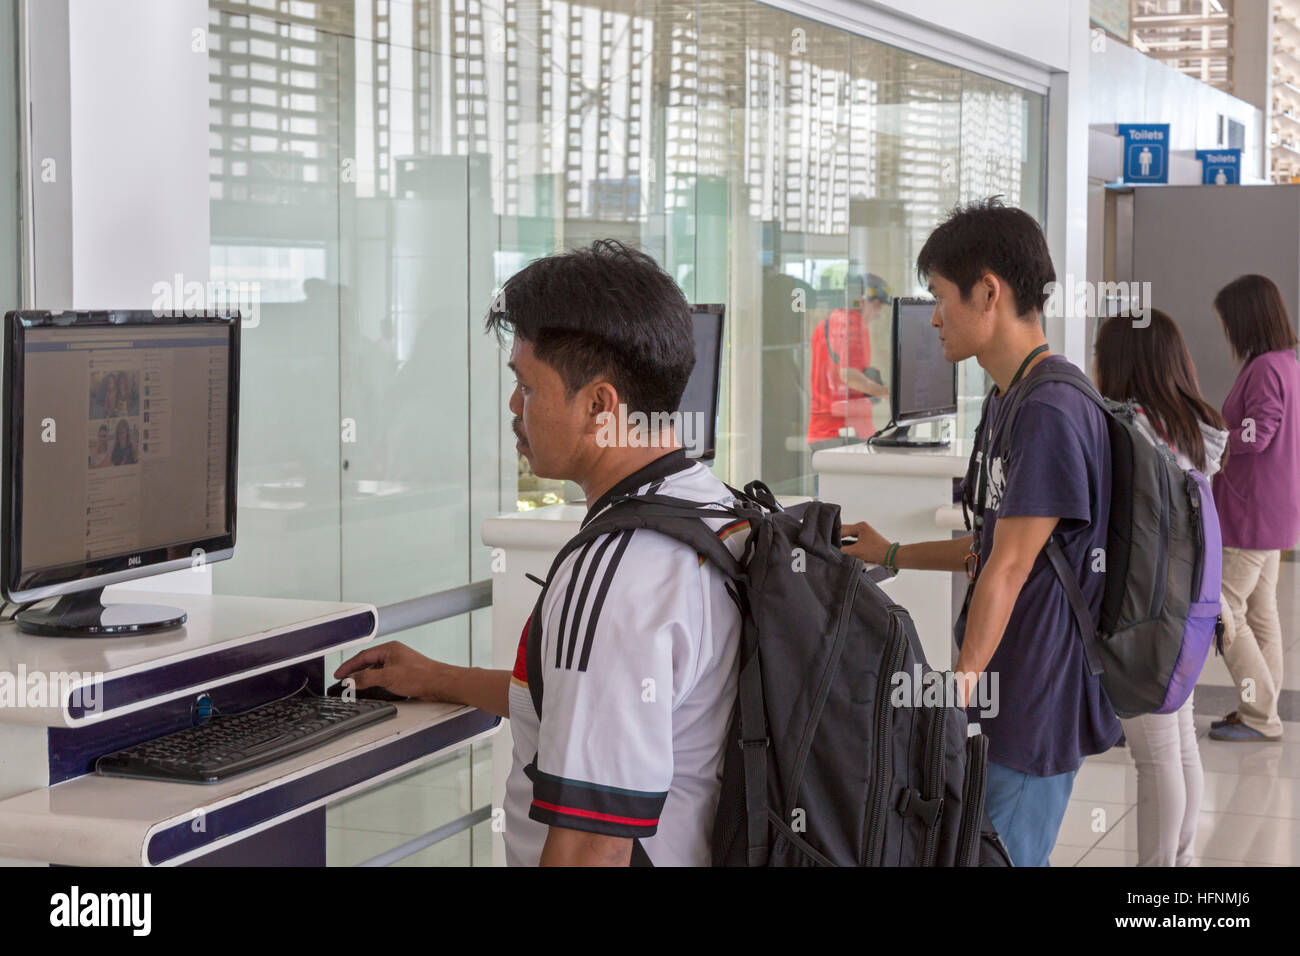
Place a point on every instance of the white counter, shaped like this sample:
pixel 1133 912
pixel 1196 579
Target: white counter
pixel 115 821
pixel 66 701
pixel 906 495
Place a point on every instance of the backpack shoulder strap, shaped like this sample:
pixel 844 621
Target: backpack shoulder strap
pixel 1078 605
pixel 1055 555
pixel 1069 374
pixel 675 517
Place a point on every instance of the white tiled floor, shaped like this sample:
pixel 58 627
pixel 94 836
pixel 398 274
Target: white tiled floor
pixel 1250 809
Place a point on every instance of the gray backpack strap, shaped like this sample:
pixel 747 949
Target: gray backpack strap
pixel 1069 375
pixel 1064 574
pixel 677 518
pixel 754 746
pixel 1078 605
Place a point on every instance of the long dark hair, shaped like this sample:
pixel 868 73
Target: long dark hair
pixel 1254 317
pixel 1150 365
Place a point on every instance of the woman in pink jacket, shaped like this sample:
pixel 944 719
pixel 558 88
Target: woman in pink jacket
pixel 1258 497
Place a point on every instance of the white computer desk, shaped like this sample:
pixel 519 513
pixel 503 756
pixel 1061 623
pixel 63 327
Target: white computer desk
pixel 906 495
pixel 240 651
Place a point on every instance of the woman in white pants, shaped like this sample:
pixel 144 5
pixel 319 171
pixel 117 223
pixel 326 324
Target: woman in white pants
pixel 1150 365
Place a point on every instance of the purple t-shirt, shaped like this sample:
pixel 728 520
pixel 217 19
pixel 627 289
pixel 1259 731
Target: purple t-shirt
pixel 1259 506
pixel 1056 463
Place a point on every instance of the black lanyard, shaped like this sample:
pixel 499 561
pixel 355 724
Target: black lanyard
pixel 984 443
pixel 1020 372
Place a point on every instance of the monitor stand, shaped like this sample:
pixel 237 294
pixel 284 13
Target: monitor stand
pixel 84 614
pixel 895 436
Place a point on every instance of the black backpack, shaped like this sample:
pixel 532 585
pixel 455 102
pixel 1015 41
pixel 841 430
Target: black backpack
pixel 1160 605
pixel 821 766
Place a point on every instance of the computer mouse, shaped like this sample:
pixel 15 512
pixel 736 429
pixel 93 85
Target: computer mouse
pixel 379 693
pixel 366 693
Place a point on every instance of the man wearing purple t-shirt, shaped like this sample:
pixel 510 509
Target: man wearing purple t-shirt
pixel 988 268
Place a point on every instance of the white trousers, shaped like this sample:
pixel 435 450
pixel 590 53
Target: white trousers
pixel 1170 781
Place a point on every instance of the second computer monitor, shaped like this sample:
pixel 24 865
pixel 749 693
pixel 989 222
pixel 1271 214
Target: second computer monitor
pixel 698 426
pixel 924 383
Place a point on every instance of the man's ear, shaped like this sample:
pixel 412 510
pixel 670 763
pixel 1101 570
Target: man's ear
pixel 990 290
pixel 600 399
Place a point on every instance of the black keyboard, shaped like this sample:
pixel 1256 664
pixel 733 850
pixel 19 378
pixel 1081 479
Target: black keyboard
pixel 225 746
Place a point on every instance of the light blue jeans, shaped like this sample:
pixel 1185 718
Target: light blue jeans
pixel 1027 811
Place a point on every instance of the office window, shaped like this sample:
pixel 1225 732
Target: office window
pixel 383 167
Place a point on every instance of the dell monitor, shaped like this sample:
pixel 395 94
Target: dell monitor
pixel 119 460
pixel 923 385
pixel 698 419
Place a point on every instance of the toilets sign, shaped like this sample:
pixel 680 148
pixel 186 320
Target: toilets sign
pixel 1220 167
pixel 1146 152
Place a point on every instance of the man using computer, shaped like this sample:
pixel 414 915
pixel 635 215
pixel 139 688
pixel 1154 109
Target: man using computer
pixel 988 268
pixel 619 760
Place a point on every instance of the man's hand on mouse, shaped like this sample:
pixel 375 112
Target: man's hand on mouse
pixel 396 668
pixel 870 546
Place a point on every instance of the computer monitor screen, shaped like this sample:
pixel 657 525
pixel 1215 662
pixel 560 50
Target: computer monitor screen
pixel 119 447
pixel 924 383
pixel 698 422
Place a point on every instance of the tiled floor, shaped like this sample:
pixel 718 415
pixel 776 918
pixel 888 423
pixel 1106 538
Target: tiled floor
pixel 1250 812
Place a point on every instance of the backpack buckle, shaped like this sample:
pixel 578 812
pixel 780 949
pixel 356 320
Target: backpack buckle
pixel 911 802
pixel 763 742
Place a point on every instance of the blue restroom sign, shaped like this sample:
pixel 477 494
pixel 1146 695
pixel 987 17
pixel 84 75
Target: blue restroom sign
pixel 1146 152
pixel 1220 167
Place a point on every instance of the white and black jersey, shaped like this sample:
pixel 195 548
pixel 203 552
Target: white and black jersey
pixel 638 656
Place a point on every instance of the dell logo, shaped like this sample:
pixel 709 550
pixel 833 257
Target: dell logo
pixel 133 561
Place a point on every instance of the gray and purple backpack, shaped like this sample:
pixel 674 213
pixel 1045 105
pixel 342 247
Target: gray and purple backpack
pixel 1164 564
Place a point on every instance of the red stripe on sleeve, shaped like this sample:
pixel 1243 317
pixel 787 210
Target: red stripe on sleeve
pixel 593 815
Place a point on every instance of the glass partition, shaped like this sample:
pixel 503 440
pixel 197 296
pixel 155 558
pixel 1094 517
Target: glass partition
pixel 11 219
pixel 381 167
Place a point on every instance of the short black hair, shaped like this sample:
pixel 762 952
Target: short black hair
pixel 604 310
pixel 990 236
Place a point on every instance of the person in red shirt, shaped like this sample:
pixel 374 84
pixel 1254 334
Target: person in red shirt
pixel 841 387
